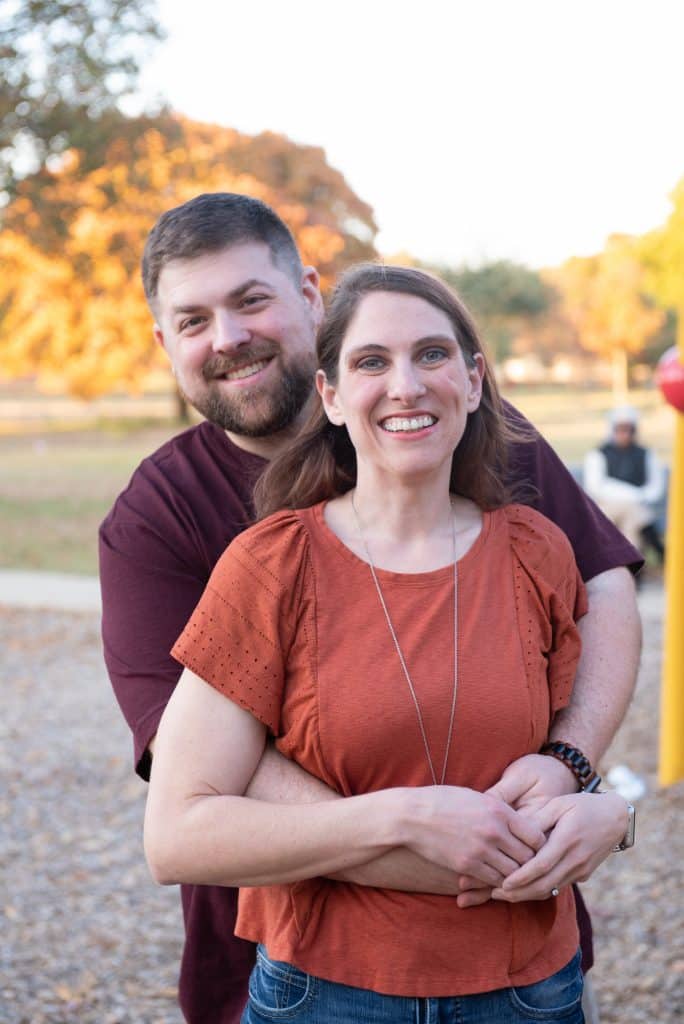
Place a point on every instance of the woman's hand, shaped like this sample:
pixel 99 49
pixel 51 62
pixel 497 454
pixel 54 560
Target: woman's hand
pixel 582 830
pixel 471 833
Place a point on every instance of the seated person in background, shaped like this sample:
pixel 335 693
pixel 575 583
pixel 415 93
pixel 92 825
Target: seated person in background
pixel 626 480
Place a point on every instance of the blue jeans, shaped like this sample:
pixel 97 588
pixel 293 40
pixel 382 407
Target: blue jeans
pixel 280 992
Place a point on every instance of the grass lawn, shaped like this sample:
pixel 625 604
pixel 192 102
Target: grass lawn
pixel 56 486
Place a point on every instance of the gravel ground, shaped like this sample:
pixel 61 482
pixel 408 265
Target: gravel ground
pixel 636 898
pixel 86 937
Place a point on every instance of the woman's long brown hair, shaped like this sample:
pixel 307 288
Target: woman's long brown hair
pixel 320 463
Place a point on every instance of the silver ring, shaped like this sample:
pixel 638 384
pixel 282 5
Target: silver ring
pixel 555 892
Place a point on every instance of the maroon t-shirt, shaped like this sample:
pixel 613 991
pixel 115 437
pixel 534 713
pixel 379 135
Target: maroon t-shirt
pixel 158 546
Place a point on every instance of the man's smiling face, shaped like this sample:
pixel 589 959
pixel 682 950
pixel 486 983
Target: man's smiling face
pixel 239 331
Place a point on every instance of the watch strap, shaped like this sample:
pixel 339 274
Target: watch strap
pixel 578 763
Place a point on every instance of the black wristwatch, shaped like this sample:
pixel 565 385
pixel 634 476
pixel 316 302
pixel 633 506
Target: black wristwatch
pixel 573 758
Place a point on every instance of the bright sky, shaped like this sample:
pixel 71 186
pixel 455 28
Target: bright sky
pixel 476 129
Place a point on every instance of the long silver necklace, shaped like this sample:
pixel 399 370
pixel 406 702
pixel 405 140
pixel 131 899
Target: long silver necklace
pixel 401 656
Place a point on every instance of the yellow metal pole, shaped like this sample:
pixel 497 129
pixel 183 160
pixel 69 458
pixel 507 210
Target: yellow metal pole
pixel 671 767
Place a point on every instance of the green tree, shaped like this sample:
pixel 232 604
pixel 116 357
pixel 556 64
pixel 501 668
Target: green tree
pixel 504 297
pixel 65 66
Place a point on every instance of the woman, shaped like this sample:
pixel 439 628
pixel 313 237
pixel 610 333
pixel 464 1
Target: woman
pixel 405 634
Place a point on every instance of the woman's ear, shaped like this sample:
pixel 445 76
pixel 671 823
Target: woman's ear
pixel 328 395
pixel 475 378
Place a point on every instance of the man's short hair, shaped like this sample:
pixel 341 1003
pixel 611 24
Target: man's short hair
pixel 209 223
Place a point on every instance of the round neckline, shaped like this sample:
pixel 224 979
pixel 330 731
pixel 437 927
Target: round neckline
pixel 430 576
pixel 218 437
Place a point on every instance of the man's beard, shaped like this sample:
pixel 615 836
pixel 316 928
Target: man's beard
pixel 263 412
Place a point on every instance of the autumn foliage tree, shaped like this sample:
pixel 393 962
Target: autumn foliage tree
pixel 604 298
pixel 71 302
pixel 662 255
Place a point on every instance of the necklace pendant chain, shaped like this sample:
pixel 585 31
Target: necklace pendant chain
pixel 402 660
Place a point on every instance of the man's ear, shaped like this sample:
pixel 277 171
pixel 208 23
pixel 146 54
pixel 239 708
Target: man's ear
pixel 159 338
pixel 311 290
pixel 329 399
pixel 158 335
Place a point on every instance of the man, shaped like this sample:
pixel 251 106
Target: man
pixel 236 312
pixel 627 480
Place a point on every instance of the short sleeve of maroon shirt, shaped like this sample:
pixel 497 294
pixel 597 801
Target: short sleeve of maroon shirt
pixel 157 548
pixel 597 544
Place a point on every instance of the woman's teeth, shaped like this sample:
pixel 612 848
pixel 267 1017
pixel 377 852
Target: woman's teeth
pixel 405 423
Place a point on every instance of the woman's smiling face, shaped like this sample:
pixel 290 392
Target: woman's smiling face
pixel 403 388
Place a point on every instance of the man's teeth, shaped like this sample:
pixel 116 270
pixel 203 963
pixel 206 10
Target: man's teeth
pixel 408 423
pixel 246 371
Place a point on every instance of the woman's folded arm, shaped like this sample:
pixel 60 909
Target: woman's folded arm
pixel 199 828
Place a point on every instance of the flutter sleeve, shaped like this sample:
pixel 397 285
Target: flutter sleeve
pixel 238 639
pixel 550 595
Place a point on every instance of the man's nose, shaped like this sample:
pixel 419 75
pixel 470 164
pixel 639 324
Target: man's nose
pixel 405 382
pixel 229 332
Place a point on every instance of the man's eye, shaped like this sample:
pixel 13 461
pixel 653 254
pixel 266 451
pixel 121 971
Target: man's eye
pixel 191 322
pixel 253 300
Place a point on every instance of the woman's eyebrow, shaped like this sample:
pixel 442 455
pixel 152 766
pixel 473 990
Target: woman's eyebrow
pixel 370 347
pixel 425 340
pixel 444 338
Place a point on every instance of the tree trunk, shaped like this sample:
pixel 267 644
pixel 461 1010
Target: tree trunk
pixel 620 376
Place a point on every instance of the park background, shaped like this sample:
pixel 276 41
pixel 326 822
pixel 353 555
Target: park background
pixel 530 153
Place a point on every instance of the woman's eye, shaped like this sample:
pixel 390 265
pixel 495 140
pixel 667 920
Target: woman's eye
pixel 434 355
pixel 371 363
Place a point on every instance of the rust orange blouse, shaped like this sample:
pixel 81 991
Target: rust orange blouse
pixel 290 627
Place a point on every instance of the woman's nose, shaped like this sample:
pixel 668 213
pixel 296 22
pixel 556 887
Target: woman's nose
pixel 405 383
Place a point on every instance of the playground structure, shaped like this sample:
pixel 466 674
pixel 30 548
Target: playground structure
pixel 671 762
